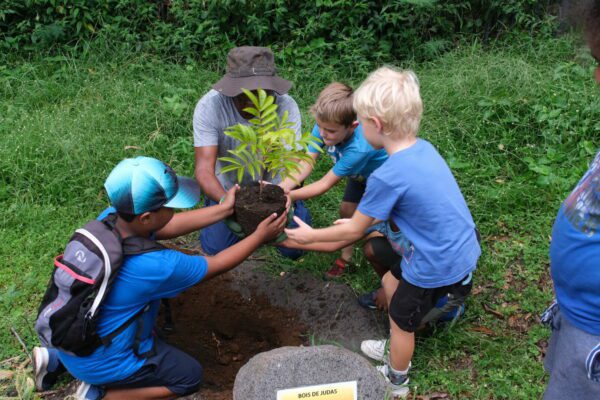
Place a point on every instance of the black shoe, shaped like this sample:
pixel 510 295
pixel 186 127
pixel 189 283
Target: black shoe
pixel 367 300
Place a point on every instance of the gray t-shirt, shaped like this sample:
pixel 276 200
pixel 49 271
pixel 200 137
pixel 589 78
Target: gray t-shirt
pixel 215 112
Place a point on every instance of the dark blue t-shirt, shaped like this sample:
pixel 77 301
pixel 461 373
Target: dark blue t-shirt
pixel 575 253
pixel 143 280
pixel 355 158
pixel 417 191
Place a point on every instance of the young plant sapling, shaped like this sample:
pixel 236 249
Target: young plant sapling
pixel 268 147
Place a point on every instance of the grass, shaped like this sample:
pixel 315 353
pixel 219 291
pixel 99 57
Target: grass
pixel 516 124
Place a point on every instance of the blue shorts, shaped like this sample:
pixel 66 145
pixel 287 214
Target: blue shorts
pixel 572 360
pixel 217 237
pixel 170 367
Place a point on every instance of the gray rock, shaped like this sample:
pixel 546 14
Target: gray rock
pixel 291 367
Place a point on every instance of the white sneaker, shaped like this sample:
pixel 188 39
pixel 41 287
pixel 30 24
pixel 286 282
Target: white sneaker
pixel 375 349
pixel 40 367
pixel 398 391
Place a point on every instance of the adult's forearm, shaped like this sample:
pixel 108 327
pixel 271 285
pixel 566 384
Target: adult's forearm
pixel 210 185
pixel 190 221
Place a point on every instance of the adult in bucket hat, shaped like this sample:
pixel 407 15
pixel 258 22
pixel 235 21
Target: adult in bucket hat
pixel 250 68
pixel 132 362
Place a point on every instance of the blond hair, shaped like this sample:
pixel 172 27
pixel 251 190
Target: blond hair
pixel 334 105
pixel 393 97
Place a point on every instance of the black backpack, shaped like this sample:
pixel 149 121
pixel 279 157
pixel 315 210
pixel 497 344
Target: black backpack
pixel 83 277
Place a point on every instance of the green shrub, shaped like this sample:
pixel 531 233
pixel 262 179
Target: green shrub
pixel 348 31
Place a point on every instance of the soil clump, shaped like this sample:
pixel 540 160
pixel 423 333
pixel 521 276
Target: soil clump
pixel 252 205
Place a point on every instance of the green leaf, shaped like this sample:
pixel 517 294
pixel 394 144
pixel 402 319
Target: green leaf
pixel 262 96
pixel 252 97
pixel 253 111
pixel 230 168
pixel 272 109
pixel 268 102
pixel 231 160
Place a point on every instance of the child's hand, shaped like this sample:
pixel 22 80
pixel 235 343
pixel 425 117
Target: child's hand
pixel 229 199
pixel 271 227
pixel 341 221
pixel 302 234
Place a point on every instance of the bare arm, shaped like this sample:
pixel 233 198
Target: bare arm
pixel 227 259
pixel 186 222
pixel 329 247
pixel 305 169
pixel 350 231
pixel 205 160
pixel 316 188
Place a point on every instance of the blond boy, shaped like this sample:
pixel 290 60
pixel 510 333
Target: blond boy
pixel 416 192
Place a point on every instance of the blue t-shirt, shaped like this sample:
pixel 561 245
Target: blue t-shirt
pixel 355 158
pixel 417 191
pixel 575 253
pixel 143 280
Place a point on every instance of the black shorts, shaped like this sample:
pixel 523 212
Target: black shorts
pixel 354 190
pixel 413 306
pixel 170 367
pixel 385 255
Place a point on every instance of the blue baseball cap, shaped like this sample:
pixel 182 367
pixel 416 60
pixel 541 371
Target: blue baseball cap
pixel 141 184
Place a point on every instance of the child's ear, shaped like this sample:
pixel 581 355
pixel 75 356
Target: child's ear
pixel 354 124
pixel 145 218
pixel 378 124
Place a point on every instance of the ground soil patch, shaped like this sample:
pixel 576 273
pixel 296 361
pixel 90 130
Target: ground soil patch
pixel 223 329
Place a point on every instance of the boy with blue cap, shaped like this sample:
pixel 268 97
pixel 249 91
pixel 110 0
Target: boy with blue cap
pixel 143 192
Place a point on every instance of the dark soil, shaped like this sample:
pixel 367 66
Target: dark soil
pixel 252 206
pixel 223 329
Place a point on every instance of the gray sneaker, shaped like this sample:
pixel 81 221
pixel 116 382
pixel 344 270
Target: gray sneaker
pixel 400 389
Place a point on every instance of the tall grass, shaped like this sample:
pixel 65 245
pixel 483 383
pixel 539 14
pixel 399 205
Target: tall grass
pixel 517 126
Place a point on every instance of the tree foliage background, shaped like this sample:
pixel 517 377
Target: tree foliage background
pixel 351 31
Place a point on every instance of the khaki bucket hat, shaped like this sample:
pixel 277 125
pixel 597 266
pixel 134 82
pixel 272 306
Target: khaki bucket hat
pixel 251 68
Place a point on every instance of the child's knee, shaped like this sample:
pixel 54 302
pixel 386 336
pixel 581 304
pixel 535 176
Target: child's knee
pixel 347 209
pixel 389 281
pixel 191 381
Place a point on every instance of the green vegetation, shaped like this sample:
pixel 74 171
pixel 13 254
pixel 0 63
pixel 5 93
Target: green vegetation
pixel 269 144
pixel 517 124
pixel 374 30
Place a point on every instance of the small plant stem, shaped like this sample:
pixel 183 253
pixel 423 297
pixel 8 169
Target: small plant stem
pixel 13 330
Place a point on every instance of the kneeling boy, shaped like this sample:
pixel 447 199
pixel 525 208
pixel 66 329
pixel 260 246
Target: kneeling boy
pixel 143 193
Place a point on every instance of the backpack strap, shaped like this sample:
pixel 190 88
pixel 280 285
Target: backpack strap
pixel 139 318
pixel 135 245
